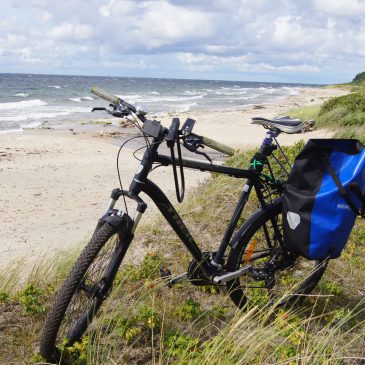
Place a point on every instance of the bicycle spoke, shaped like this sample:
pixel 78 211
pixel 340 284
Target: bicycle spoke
pixel 275 273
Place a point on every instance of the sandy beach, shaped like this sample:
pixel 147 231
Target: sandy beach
pixel 55 184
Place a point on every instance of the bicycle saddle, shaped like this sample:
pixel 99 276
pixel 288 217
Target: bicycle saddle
pixel 284 123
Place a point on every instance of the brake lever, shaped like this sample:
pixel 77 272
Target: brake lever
pixel 192 143
pixel 204 154
pixel 109 111
pixel 99 108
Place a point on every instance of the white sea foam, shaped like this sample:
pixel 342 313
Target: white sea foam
pixel 172 98
pixel 31 125
pixel 22 104
pixel 253 96
pixel 131 98
pixel 22 95
pixel 55 86
pixel 51 112
pixel 189 92
pixel 186 107
pixel 79 99
pixel 5 131
pixel 154 93
pixel 232 91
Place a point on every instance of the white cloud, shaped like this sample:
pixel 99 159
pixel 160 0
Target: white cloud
pixel 68 31
pixel 240 63
pixel 341 8
pixel 46 16
pixel 117 8
pixel 14 40
pixel 154 24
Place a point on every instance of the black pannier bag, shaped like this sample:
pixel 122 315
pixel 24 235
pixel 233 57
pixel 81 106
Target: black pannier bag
pixel 323 195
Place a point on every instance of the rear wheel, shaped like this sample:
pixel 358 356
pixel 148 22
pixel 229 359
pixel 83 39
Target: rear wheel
pixel 274 274
pixel 84 290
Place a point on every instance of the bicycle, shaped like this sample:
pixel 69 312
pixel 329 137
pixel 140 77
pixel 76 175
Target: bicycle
pixel 258 259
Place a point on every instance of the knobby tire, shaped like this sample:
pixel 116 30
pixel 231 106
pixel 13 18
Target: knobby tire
pixel 72 286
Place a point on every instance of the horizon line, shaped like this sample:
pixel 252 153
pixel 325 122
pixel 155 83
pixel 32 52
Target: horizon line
pixel 160 78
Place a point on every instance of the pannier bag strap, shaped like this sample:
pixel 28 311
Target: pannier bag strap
pixel 344 193
pixel 354 187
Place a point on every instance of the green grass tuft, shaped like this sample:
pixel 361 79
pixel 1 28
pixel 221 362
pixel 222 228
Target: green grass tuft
pixel 344 114
pixel 305 113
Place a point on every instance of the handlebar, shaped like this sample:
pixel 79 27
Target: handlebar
pixel 115 100
pixel 105 95
pixel 220 147
pixel 112 98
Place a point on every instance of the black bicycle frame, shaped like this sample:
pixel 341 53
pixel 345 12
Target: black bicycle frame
pixel 141 183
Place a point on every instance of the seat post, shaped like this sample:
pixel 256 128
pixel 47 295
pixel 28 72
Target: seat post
pixel 269 138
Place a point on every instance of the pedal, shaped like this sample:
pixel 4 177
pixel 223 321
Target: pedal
pixel 177 279
pixel 167 277
pixel 165 273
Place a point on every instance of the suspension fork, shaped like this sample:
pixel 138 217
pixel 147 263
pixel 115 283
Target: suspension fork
pixel 117 258
pixel 125 227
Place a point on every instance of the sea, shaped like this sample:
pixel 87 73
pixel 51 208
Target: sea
pixel 28 101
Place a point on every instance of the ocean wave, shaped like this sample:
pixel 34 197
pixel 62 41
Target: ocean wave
pixel 55 86
pixel 44 115
pixel 5 131
pixel 232 98
pixel 185 107
pixel 250 96
pixel 131 98
pixel 22 95
pixel 22 104
pixel 79 99
pixel 172 98
pixel 232 91
pixel 154 93
pixel 189 92
pixel 31 125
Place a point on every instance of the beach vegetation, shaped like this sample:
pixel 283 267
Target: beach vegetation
pixel 143 321
pixel 31 299
pixel 345 115
pixel 188 310
pixel 4 297
pixel 359 79
pixel 309 112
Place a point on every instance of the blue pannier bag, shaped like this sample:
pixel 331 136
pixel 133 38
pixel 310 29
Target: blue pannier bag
pixel 324 194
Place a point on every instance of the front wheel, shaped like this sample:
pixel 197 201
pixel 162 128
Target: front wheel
pixel 274 274
pixel 84 290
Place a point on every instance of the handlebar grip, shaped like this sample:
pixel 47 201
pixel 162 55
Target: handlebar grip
pixel 218 146
pixel 105 95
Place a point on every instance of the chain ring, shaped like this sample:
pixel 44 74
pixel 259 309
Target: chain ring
pixel 195 275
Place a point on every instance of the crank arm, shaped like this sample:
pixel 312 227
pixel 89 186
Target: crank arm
pixel 177 279
pixel 221 279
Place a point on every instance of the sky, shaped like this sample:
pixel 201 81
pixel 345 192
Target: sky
pixel 306 41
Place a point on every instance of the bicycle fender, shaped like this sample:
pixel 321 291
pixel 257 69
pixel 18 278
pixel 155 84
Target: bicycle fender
pixel 260 213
